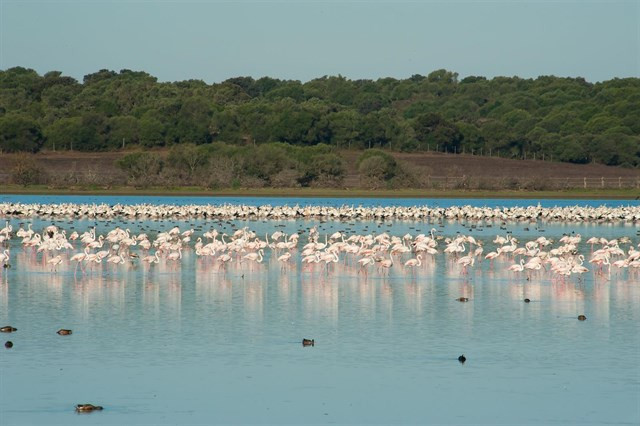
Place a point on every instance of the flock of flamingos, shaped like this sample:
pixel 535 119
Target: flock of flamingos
pixel 370 253
pixel 345 212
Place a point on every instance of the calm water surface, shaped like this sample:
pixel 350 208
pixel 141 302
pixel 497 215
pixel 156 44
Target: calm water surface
pixel 193 344
pixel 304 201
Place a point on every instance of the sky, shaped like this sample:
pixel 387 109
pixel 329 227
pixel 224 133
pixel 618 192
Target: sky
pixel 213 40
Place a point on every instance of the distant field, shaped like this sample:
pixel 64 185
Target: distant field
pixel 449 175
pixel 443 167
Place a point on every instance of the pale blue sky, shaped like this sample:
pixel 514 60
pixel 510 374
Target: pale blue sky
pixel 215 40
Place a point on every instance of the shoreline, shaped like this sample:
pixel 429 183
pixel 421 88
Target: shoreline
pixel 619 194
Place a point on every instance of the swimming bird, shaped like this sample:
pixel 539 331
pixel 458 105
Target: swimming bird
pixel 85 408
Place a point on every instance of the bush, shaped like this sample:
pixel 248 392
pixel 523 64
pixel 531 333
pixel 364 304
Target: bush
pixel 410 146
pixel 324 170
pixel 25 171
pixel 249 182
pixel 221 173
pixel 391 162
pixel 142 168
pixel 408 176
pixel 377 166
pixel 536 184
pixel 266 161
pixel 187 158
pixel 288 178
pixel 373 172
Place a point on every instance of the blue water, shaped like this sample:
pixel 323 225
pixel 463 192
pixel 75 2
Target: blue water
pixel 334 202
pixel 195 344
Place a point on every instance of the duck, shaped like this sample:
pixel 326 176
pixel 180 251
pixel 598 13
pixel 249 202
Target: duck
pixel 8 344
pixel 64 332
pixel 86 408
pixel 527 300
pixel 308 342
pixel 462 299
pixel 462 359
pixel 8 329
pixel 582 317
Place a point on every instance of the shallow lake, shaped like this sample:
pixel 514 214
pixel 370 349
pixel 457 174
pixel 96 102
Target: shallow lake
pixel 195 343
pixel 304 201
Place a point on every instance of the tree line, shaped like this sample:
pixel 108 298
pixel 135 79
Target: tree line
pixel 564 119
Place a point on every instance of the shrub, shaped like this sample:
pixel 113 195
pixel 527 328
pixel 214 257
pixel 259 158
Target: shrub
pixel 407 176
pixel 25 171
pixel 376 166
pixel 324 170
pixel 142 168
pixel 411 145
pixel 187 158
pixel 266 161
pixel 536 184
pixel 373 171
pixel 287 178
pixel 221 173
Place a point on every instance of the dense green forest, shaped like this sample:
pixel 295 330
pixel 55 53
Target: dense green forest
pixel 565 119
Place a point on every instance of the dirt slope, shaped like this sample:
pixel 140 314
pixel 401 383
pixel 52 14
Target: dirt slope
pixel 431 164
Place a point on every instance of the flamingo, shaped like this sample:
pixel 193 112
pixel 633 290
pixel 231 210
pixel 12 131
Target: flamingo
pixel 79 257
pixel 256 257
pixel 151 259
pixel 225 258
pixel 516 267
pixel 329 257
pixel 492 255
pixel 4 257
pixel 283 259
pixel 414 262
pixel 314 258
pixel 116 259
pixel 465 261
pixel 176 255
pixel 364 262
pixel 54 262
pixel 387 263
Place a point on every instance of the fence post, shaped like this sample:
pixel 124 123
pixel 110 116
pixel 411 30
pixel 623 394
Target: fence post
pixel 585 183
pixel 602 181
pixel 619 182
